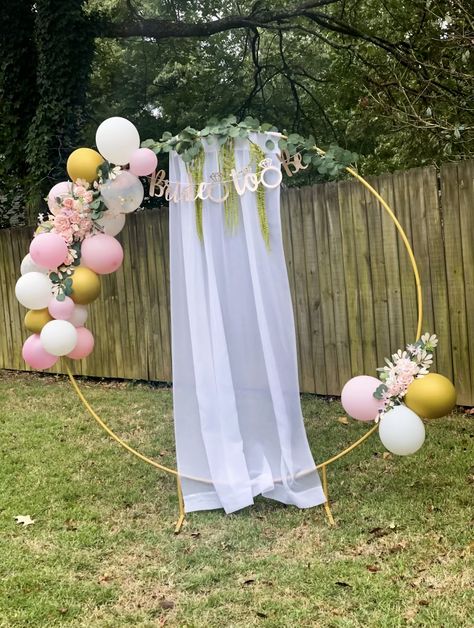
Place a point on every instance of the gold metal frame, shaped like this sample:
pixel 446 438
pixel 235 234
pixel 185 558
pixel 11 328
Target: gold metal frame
pixel 323 465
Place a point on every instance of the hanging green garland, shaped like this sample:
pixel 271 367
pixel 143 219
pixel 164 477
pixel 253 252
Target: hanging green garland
pixel 189 145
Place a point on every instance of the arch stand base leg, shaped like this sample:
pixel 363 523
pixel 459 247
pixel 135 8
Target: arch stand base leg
pixel 182 513
pixel 327 507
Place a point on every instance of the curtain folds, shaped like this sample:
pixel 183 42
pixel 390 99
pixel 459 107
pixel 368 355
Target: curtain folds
pixel 238 423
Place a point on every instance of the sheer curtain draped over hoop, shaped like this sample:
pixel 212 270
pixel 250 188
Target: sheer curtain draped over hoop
pixel 238 422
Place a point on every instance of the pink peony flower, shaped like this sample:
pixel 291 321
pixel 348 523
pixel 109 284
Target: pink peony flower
pixel 68 202
pixel 88 197
pixel 61 222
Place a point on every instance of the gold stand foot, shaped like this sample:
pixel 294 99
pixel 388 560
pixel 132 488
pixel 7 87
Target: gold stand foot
pixel 182 513
pixel 327 507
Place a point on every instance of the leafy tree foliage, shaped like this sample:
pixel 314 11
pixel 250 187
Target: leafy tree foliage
pixel 389 79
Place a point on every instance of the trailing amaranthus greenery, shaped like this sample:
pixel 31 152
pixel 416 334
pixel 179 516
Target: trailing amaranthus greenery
pixel 231 203
pixel 196 168
pixel 256 157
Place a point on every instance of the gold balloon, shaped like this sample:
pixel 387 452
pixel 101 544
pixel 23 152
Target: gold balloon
pixel 85 286
pixel 83 163
pixel 431 396
pixel 35 320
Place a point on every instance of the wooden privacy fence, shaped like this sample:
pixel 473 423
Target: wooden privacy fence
pixel 352 285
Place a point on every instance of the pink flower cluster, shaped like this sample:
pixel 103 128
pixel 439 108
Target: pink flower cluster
pixel 73 220
pixel 405 366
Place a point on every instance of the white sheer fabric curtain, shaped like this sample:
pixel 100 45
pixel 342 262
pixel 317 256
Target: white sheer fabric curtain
pixel 238 422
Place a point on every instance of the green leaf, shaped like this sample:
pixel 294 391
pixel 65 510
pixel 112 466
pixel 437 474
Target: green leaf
pixel 378 394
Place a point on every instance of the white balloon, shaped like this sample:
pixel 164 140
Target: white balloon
pixel 117 139
pixel 111 222
pixel 34 290
pixel 401 431
pixel 123 194
pixel 29 266
pixel 79 316
pixel 58 337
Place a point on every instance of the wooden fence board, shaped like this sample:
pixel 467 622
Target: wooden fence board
pixel 350 278
pixel 456 286
pixel 349 267
pixel 327 295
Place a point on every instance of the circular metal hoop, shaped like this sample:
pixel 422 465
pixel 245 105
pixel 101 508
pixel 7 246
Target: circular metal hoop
pixel 321 465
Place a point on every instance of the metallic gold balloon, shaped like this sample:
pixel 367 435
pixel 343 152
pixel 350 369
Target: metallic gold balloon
pixel 431 396
pixel 85 286
pixel 83 163
pixel 35 320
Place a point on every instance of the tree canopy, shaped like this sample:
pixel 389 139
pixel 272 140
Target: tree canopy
pixel 389 79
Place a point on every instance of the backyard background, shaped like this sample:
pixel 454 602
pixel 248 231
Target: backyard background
pixel 352 284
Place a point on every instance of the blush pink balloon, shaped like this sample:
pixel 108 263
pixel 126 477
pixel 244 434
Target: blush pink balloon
pixel 143 162
pixel 358 399
pixel 84 346
pixel 34 354
pixel 58 190
pixel 48 250
pixel 61 310
pixel 102 253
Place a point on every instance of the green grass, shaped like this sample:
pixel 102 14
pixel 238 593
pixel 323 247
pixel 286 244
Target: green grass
pixel 102 551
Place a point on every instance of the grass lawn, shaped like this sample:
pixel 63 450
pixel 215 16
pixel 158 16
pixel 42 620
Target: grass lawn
pixel 102 550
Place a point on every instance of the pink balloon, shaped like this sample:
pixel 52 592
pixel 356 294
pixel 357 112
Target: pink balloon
pixel 84 346
pixel 143 162
pixel 61 310
pixel 58 190
pixel 48 250
pixel 34 354
pixel 358 399
pixel 102 253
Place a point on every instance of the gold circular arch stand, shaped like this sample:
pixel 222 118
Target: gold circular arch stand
pixel 323 465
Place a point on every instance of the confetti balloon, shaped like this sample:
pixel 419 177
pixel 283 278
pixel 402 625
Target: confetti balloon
pixel 57 191
pixel 124 194
pixel 111 222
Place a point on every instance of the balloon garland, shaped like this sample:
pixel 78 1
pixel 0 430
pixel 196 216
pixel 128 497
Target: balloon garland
pixel 75 245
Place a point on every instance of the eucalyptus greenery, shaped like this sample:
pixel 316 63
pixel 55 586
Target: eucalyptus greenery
pixel 188 143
